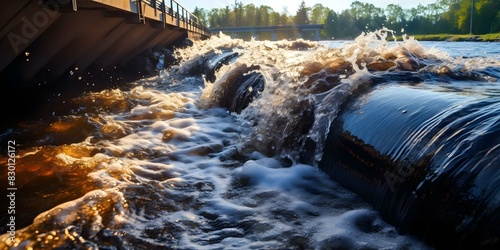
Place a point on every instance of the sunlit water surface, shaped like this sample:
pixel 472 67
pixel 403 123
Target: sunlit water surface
pixel 157 164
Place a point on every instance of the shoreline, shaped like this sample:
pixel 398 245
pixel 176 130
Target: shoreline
pixel 494 37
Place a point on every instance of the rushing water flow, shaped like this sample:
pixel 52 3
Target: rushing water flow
pixel 162 163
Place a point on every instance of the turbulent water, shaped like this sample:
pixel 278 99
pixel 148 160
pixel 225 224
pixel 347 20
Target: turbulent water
pixel 162 163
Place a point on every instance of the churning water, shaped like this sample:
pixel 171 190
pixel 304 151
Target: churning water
pixel 163 163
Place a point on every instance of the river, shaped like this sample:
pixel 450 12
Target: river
pixel 162 163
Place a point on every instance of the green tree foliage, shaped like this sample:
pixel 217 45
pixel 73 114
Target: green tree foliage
pixel 395 14
pixel 201 14
pixel 318 14
pixel 443 16
pixel 488 17
pixel 331 27
pixel 366 16
pixel 302 16
pixel 238 12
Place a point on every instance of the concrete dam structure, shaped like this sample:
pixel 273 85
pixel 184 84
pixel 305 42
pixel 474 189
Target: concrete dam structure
pixel 45 41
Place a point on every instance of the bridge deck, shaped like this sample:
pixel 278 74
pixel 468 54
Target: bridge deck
pixel 270 28
pixel 41 41
pixel 296 29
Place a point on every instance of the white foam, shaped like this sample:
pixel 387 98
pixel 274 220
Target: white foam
pixel 184 176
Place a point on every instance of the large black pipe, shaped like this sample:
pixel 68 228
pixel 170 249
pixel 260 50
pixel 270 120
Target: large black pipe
pixel 428 160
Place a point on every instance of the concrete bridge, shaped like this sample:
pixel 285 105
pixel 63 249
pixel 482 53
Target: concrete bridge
pixel 42 41
pixel 297 30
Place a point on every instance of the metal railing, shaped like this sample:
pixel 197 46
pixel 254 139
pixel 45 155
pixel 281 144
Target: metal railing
pixel 176 11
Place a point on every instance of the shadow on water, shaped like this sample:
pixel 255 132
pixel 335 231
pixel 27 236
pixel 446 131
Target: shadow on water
pixel 44 120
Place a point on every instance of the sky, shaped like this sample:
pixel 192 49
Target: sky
pixel 292 5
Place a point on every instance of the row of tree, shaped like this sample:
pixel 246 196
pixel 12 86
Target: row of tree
pixel 443 16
